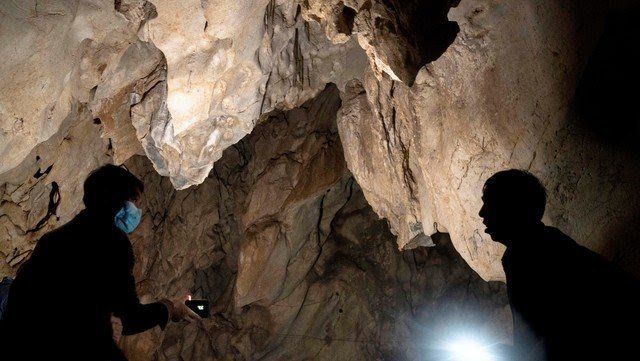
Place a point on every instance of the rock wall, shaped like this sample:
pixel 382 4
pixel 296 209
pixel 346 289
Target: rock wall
pixel 502 96
pixel 60 53
pixel 182 83
pixel 45 191
pixel 432 97
pixel 400 37
pixel 85 68
pixel 192 78
pixel 279 238
pixel 295 263
pixel 229 62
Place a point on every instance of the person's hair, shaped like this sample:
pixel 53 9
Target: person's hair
pixel 109 187
pixel 519 188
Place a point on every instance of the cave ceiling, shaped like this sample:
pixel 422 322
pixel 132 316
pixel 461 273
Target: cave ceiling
pixel 435 97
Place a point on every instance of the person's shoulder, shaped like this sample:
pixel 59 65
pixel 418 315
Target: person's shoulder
pixel 65 230
pixel 563 247
pixel 54 236
pixel 580 255
pixel 54 245
pixel 555 233
pixel 558 239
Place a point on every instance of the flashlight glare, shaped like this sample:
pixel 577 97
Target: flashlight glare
pixel 467 350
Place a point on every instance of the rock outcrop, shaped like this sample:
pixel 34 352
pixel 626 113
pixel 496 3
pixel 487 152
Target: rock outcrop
pixel 191 78
pixel 279 238
pixel 295 263
pixel 400 37
pixel 45 190
pixel 501 97
pixel 234 104
pixel 228 63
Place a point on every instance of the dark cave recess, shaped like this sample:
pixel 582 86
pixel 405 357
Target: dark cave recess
pixel 605 98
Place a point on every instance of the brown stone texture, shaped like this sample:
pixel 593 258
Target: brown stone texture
pixel 501 97
pixel 295 263
pixel 45 191
pixel 282 242
pixel 303 160
pixel 399 37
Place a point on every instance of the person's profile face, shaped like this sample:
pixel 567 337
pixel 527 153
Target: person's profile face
pixel 513 204
pixel 497 215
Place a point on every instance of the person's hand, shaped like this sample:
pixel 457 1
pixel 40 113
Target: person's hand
pixel 179 311
pixel 116 326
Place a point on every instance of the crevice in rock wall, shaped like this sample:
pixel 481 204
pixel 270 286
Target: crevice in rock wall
pixel 344 22
pixel 52 207
pixel 400 37
pixel 294 261
pixel 136 11
pixel 45 190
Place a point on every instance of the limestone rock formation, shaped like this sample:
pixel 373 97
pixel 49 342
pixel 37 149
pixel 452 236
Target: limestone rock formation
pixel 45 191
pixel 54 54
pixel 238 100
pixel 228 62
pixel 501 97
pixel 214 68
pixel 282 242
pixel 279 238
pixel 182 83
pixel 70 75
pixel 400 37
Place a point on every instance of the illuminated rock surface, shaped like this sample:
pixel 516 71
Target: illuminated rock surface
pixel 310 274
pixel 229 101
pixel 501 97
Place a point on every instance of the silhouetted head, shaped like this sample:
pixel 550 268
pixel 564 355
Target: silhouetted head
pixel 514 202
pixel 108 188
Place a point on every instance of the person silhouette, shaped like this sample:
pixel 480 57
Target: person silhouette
pixel 61 303
pixel 568 303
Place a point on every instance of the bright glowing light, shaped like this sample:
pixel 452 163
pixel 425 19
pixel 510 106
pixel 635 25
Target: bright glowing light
pixel 468 350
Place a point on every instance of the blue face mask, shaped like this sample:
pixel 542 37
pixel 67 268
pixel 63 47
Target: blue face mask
pixel 128 217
